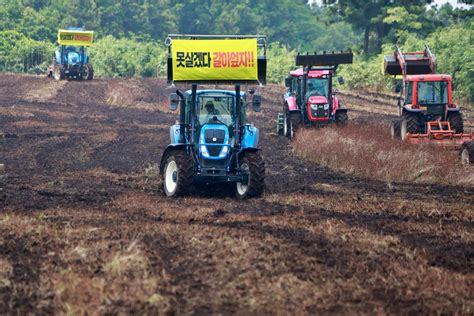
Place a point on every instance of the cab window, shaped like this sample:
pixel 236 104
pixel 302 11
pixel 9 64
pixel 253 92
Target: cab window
pixel 409 94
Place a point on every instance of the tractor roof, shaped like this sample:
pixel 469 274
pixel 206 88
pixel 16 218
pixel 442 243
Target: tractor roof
pixel 229 92
pixel 429 77
pixel 312 74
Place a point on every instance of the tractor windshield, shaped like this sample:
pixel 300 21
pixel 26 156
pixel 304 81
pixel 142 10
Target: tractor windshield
pixel 219 106
pixel 317 87
pixel 434 92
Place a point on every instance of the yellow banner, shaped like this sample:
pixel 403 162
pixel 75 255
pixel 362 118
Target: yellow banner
pixel 75 38
pixel 224 60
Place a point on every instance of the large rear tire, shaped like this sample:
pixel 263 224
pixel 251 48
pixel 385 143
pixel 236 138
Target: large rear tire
pixel 341 118
pixel 88 72
pixel 177 174
pixel 456 122
pixel 295 123
pixel 58 72
pixel 395 129
pixel 252 164
pixel 466 153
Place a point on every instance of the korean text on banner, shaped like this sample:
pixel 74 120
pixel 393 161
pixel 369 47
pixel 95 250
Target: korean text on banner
pixel 75 38
pixel 195 60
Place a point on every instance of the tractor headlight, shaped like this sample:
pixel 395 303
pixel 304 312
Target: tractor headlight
pixel 326 106
pixel 314 106
pixel 224 151
pixel 204 151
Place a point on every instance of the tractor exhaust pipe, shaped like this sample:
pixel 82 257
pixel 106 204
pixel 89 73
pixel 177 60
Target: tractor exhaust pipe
pixel 182 116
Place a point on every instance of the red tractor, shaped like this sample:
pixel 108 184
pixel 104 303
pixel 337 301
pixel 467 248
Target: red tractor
pixel 426 107
pixel 311 99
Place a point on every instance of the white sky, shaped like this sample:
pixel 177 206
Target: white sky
pixel 454 3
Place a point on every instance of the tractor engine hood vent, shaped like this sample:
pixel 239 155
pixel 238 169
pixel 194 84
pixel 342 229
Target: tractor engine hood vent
pixel 318 99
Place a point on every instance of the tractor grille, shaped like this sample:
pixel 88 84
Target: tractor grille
pixel 214 136
pixel 320 112
pixel 214 151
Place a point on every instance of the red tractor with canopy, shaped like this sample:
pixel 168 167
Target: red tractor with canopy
pixel 311 99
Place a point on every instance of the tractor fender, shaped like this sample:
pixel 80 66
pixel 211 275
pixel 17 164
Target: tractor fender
pixel 170 148
pixel 291 103
pixel 454 110
pixel 408 108
pixel 245 150
pixel 335 104
pixel 250 138
pixel 174 134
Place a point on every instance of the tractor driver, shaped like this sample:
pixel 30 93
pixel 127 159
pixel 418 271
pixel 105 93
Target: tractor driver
pixel 211 110
pixel 312 90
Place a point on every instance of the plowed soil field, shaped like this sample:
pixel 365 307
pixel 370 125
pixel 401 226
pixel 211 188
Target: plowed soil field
pixel 85 228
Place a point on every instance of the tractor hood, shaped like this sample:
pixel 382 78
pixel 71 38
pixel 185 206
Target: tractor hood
pixel 318 99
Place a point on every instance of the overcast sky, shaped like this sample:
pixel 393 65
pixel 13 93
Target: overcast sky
pixel 454 3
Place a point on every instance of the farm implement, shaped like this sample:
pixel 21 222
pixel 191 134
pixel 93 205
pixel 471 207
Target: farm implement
pixel 311 99
pixel 71 59
pixel 427 111
pixel 213 143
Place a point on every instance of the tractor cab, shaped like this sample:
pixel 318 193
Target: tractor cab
pixel 71 59
pixel 212 142
pixel 311 99
pixel 430 95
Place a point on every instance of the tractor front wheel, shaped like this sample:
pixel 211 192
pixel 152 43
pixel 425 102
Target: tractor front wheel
pixel 253 166
pixel 466 153
pixel 58 72
pixel 341 118
pixel 177 174
pixel 456 122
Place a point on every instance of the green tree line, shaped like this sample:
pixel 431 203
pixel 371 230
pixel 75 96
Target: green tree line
pixel 130 33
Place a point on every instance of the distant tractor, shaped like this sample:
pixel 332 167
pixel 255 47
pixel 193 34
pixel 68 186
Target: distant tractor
pixel 71 59
pixel 213 143
pixel 426 107
pixel 311 99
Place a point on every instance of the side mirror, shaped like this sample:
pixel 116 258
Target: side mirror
pixel 174 101
pixel 341 80
pixel 256 103
pixel 288 82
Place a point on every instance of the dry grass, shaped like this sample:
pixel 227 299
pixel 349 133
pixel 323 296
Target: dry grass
pixel 369 151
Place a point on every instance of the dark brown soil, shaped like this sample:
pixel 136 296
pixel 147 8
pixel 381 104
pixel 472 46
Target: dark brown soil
pixel 85 228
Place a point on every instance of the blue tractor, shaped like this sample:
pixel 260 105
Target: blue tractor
pixel 213 142
pixel 71 59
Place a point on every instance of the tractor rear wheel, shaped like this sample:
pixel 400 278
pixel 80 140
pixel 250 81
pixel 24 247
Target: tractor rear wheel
pixel 341 118
pixel 58 72
pixel 253 165
pixel 456 122
pixel 295 123
pixel 410 124
pixel 466 153
pixel 395 129
pixel 177 174
pixel 88 72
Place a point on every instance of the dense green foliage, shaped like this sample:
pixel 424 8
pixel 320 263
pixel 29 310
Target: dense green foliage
pixel 130 33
